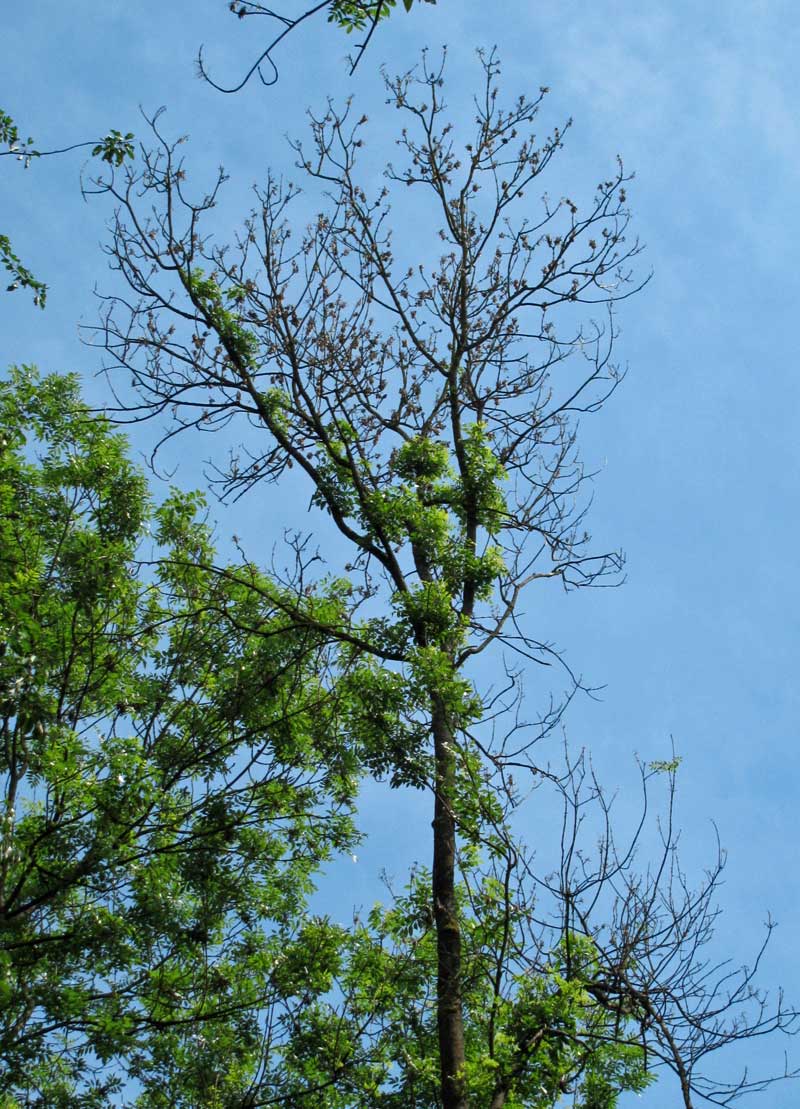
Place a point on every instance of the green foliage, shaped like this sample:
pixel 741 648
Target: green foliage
pixel 539 1038
pixel 240 342
pixel 379 711
pixel 10 136
pixel 480 489
pixel 665 766
pixel 429 607
pixel 355 15
pixel 172 775
pixel 21 276
pixel 422 460
pixel 114 148
pixel 335 489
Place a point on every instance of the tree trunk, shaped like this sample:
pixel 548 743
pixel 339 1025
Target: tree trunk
pixel 448 934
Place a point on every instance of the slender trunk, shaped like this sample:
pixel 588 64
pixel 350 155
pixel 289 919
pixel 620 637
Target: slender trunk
pixel 448 934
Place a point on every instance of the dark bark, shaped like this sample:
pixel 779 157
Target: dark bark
pixel 448 933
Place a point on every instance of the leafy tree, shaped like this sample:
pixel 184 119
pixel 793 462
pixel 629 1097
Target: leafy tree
pixel 431 408
pixel 113 149
pixel 173 774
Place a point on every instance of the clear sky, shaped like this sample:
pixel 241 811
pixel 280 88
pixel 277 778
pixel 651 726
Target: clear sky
pixel 697 454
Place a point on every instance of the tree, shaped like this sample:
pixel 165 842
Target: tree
pixel 349 15
pixel 431 409
pixel 173 776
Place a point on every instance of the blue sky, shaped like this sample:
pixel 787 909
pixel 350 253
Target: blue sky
pixel 697 454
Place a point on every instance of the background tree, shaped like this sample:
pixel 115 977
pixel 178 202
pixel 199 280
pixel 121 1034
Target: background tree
pixel 432 410
pixel 173 773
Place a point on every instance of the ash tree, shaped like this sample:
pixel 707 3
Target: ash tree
pixel 172 778
pixel 430 406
